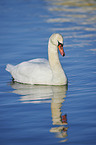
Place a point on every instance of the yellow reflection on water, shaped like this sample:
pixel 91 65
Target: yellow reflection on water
pixel 72 11
pixel 74 3
pixel 74 19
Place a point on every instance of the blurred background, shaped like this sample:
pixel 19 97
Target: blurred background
pixel 48 114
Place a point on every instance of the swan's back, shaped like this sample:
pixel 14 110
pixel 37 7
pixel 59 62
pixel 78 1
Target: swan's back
pixel 36 71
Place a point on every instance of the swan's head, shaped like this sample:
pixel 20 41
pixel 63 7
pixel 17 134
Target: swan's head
pixel 57 40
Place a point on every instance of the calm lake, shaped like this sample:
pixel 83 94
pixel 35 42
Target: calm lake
pixel 48 115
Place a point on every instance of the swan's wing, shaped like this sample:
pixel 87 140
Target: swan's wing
pixel 35 71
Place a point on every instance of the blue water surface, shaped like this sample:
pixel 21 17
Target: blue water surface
pixel 48 114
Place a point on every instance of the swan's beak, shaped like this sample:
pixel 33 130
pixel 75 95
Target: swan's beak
pixel 61 50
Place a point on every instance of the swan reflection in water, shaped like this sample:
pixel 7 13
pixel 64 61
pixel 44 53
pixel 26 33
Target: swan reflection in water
pixel 45 94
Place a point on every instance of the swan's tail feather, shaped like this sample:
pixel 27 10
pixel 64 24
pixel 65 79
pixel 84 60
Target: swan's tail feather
pixel 9 67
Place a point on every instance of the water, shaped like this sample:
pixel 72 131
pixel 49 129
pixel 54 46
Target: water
pixel 48 114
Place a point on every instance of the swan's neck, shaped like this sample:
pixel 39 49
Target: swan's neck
pixel 58 73
pixel 53 57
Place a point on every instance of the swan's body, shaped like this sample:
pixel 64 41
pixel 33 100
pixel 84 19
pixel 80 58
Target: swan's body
pixel 40 71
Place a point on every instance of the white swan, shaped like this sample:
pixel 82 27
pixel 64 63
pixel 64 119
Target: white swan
pixel 40 71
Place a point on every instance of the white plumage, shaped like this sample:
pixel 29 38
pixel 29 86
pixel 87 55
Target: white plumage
pixel 41 71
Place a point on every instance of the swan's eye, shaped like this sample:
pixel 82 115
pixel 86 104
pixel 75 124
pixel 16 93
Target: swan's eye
pixel 60 44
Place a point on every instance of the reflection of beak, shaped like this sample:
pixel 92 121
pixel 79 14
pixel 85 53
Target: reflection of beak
pixel 64 118
pixel 61 50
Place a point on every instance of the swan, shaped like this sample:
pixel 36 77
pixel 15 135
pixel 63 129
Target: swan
pixel 41 71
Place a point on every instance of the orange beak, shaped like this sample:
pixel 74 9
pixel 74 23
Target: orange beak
pixel 61 50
